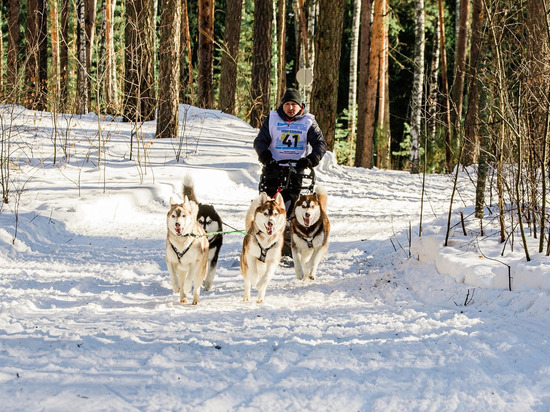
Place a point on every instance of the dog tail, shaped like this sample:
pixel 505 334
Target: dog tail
pixel 322 195
pixel 188 188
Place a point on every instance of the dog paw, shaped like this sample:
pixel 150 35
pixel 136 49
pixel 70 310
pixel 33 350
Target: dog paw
pixel 260 301
pixel 311 277
pixel 195 302
pixel 183 300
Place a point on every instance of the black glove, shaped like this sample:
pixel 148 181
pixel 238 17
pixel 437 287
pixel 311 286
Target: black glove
pixel 266 157
pixel 303 164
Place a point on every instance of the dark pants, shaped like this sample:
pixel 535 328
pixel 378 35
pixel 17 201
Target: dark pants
pixel 276 178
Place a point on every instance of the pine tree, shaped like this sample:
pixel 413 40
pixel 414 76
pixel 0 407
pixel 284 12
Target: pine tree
pixel 206 54
pixel 169 50
pixel 261 62
pixel 228 76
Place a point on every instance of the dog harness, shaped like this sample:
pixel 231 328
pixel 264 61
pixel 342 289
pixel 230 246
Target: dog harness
pixel 263 251
pixel 310 241
pixel 180 254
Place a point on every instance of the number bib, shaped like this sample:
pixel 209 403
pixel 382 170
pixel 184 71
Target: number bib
pixel 288 140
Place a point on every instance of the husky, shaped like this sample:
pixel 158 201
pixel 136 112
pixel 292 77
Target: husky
pixel 211 222
pixel 261 252
pixel 186 249
pixel 309 232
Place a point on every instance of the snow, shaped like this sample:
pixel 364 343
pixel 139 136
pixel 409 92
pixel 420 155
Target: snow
pixel 88 320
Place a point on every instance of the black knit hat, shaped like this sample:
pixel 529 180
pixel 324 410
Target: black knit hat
pixel 292 95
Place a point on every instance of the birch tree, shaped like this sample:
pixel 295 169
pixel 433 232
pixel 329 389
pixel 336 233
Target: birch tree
pixel 445 91
pixel 353 68
pixel 471 121
pixel 281 49
pixel 82 72
pixel 12 64
pixel 382 127
pixel 418 80
pixel 460 68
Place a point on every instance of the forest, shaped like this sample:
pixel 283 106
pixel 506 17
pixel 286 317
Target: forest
pixel 412 85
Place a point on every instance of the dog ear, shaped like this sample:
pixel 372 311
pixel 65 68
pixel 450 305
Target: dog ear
pixel 263 198
pixel 172 203
pixel 279 200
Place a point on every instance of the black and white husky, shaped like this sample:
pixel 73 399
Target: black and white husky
pixel 211 222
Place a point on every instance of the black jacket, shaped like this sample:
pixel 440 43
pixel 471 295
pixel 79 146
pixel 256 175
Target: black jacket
pixel 315 137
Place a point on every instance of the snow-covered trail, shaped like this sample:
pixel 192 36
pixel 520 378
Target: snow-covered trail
pixel 88 320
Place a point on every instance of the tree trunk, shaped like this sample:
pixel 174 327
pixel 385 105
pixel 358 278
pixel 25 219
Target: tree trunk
pixel 303 33
pixel 281 49
pixel 460 69
pixel 417 89
pixel 90 17
pixel 353 67
pixel 228 76
pixel 187 89
pixel 206 54
pixel 169 51
pixel 484 151
pixel 82 78
pixel 367 133
pixel 471 139
pixel 139 100
pixel 1 62
pixel 54 29
pixel 432 104
pixel 12 69
pixel 36 65
pixel 326 74
pixel 64 56
pixel 445 92
pixel 109 74
pixel 261 62
pixel 313 15
pixel 362 87
pixel 382 129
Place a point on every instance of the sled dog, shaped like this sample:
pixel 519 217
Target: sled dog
pixel 261 253
pixel 186 249
pixel 211 222
pixel 309 232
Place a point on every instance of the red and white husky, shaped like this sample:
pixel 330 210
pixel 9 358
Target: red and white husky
pixel 261 253
pixel 186 249
pixel 309 232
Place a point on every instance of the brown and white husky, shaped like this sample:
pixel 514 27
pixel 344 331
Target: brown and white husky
pixel 261 253
pixel 309 232
pixel 211 222
pixel 186 249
